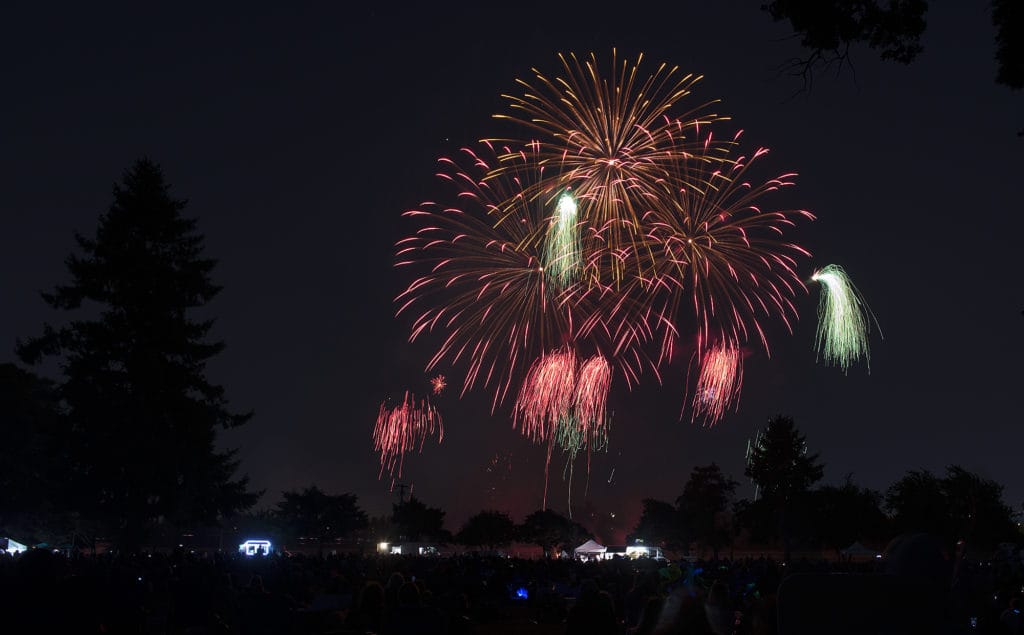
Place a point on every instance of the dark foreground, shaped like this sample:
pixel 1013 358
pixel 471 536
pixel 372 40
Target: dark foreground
pixel 912 590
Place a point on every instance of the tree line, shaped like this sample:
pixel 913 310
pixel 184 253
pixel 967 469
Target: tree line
pixel 963 509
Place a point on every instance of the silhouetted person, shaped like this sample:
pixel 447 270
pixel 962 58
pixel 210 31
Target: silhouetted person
pixel 1011 619
pixel 645 586
pixel 412 617
pixel 719 610
pixel 369 610
pixel 650 615
pixel 592 614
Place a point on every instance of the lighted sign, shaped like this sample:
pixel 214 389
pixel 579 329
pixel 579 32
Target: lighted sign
pixel 255 548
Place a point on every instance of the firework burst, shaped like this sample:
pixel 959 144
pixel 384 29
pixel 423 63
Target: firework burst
pixel 403 429
pixel 546 397
pixel 723 264
pixel 615 223
pixel 611 138
pixel 844 320
pixel 438 384
pixel 719 383
pixel 591 399
pixel 482 282
pixel 495 277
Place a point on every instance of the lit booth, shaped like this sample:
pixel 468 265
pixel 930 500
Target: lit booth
pixel 640 550
pixel 590 550
pixel 12 546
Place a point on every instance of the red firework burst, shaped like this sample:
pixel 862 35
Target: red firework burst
pixel 719 383
pixel 403 429
pixel 546 397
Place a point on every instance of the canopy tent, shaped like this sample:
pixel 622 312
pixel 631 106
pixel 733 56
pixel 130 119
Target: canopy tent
pixel 590 548
pixel 857 549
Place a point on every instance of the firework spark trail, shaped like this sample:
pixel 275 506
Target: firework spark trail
pixel 546 397
pixel 844 320
pixel 562 243
pixel 719 383
pixel 591 399
pixel 403 429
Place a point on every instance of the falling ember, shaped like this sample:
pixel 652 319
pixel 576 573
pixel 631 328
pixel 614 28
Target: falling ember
pixel 844 320
pixel 719 383
pixel 592 385
pixel 404 429
pixel 439 384
pixel 546 396
pixel 562 244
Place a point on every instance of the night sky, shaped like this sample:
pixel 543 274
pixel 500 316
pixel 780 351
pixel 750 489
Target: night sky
pixel 300 135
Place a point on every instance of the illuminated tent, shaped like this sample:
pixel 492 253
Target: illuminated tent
pixel 858 550
pixel 590 548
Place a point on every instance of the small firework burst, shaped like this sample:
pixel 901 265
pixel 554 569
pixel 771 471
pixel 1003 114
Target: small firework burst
pixel 438 384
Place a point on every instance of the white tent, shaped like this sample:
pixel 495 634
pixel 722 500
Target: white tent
pixel 857 549
pixel 590 548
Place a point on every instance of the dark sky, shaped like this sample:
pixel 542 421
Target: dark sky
pixel 300 135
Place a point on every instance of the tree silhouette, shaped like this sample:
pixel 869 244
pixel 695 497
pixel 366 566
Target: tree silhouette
pixel 828 28
pixel 1008 18
pixel 784 472
pixel 313 514
pixel 703 504
pixel 489 529
pixel 847 513
pixel 962 506
pixel 417 522
pixel 33 456
pixel 141 416
pixel 779 463
pixel 551 531
pixel 659 525
pixel 917 502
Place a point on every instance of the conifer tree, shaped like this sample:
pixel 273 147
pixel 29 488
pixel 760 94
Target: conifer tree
pixel 142 418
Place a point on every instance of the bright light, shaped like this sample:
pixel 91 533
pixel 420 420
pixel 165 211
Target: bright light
pixel 382 547
pixel 255 548
pixel 562 244
pixel 13 547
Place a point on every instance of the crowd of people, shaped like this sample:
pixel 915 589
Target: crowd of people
pixel 913 589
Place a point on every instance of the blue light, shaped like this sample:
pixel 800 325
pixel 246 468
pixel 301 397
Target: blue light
pixel 522 593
